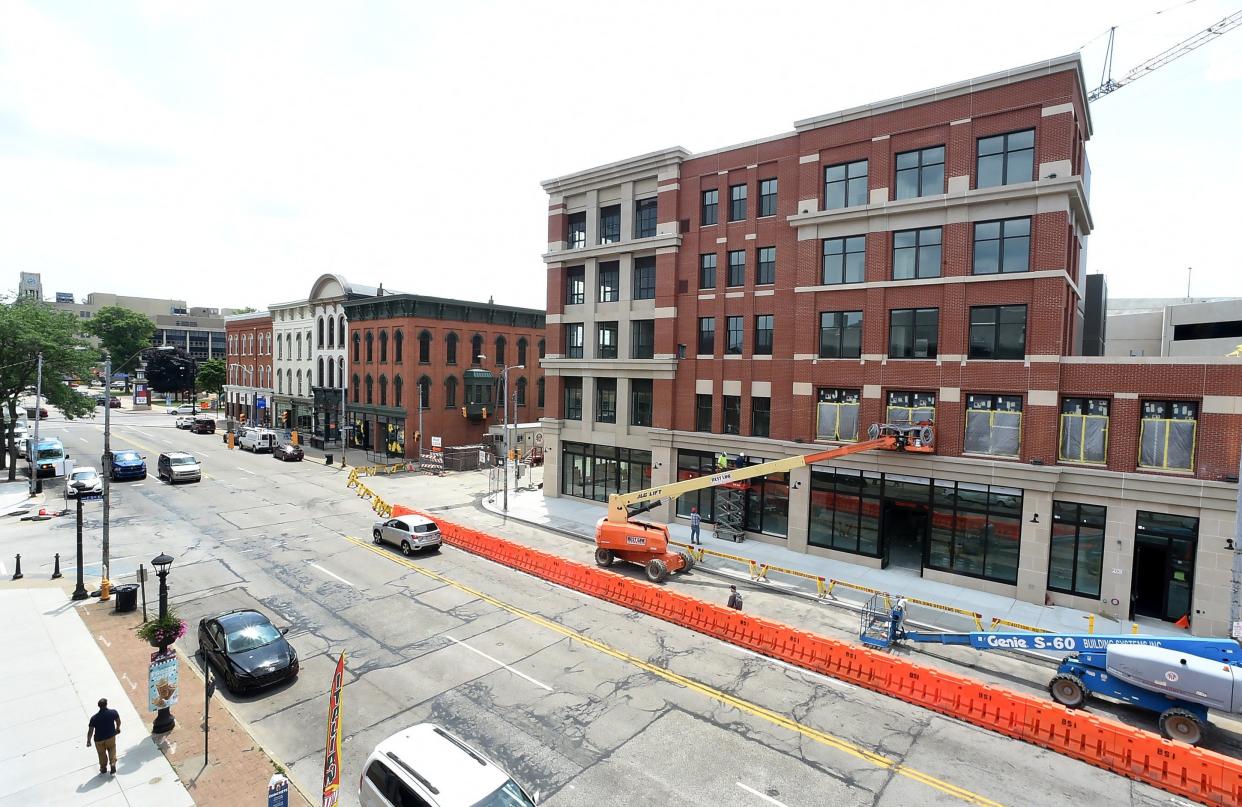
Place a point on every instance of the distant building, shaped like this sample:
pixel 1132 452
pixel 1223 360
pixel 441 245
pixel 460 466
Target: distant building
pixel 248 391
pixel 1178 326
pixel 197 330
pixel 30 285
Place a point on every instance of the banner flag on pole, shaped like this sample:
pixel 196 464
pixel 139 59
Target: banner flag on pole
pixel 332 746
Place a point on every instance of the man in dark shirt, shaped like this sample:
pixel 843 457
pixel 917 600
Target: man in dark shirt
pixel 105 725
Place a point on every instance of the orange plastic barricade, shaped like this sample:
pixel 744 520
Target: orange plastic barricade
pixel 401 510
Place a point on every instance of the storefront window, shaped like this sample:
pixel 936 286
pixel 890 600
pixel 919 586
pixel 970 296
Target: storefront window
pixel 1076 556
pixel 593 472
pixel 976 530
pixel 691 464
pixel 845 511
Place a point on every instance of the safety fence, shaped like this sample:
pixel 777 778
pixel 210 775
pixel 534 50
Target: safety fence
pixel 382 470
pixel 378 504
pixel 1193 773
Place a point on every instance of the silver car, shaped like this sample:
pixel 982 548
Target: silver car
pixel 411 533
pixel 178 466
pixel 91 482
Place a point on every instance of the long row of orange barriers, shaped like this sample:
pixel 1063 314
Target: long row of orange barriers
pixel 1193 773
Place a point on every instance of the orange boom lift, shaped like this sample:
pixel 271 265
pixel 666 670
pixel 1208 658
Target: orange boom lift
pixel 619 537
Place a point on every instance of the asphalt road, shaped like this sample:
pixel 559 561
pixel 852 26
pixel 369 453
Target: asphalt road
pixel 582 701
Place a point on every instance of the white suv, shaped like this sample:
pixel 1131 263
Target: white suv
pixel 425 765
pixel 410 532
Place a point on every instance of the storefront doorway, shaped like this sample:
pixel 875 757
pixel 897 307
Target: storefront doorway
pixel 905 516
pixel 1164 563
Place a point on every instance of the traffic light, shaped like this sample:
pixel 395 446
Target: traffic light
pixel 284 418
pixel 418 438
pixel 463 411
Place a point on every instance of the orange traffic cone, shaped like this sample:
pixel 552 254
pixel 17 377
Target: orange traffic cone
pixel 43 511
pixel 1184 622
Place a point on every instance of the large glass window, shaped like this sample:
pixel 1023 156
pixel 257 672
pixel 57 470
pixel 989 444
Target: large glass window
pixel 737 202
pixel 641 400
pixel 767 504
pixel 645 278
pixel 732 414
pixel 606 340
pixel 767 197
pixel 1002 247
pixel 993 425
pixel 912 333
pixel 576 231
pixel 916 253
pixel 609 281
pixel 845 185
pixel 844 260
pixel 733 335
pixel 707 336
pixel 573 398
pixel 605 400
pixel 642 339
pixel 840 334
pixel 594 472
pixel 610 224
pixel 976 530
pixel 573 340
pixel 760 416
pixel 644 218
pixel 1167 435
pixel 1164 565
pixel 707 271
pixel 920 173
pixel 837 415
pixel 766 262
pixel 737 268
pixel 998 332
pixel 711 203
pixel 1005 159
pixel 1084 430
pixel 575 285
pixel 691 465
pixel 845 511
pixel 702 413
pixel 1076 557
pixel 764 324
pixel 910 408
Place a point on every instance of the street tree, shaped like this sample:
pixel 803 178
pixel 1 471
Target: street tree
pixel 28 328
pixel 211 376
pixel 170 371
pixel 121 332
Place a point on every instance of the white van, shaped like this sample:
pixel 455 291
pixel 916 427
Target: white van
pixel 257 440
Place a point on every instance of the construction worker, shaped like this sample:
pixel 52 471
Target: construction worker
pixel 722 462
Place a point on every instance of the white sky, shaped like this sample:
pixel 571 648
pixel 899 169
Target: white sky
pixel 227 153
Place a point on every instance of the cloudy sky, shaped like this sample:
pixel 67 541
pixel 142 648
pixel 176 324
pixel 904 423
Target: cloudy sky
pixel 227 153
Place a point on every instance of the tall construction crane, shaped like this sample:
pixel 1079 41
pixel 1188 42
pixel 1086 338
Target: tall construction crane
pixel 1109 84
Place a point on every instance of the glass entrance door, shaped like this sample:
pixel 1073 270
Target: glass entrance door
pixel 1164 563
pixel 906 516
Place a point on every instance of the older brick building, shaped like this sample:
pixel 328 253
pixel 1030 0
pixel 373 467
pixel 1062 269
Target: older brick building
pixel 447 354
pixel 917 259
pixel 248 342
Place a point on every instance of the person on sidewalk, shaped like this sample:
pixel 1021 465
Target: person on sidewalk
pixel 104 726
pixel 735 599
pixel 696 521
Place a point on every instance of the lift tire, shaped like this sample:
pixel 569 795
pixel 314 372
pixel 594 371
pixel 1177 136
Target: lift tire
pixel 1182 725
pixel 603 557
pixel 687 560
pixel 657 570
pixel 1068 690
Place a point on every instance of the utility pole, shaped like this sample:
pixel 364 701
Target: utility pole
pixel 1235 600
pixel 35 485
pixel 106 464
pixel 420 425
pixel 504 402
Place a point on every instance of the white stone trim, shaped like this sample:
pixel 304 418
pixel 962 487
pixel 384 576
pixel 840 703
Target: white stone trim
pixel 752 166
pixel 808 158
pixel 751 237
pixel 734 295
pixel 879 196
pixel 808 206
pixel 704 356
pixel 805 356
pixel 722 240
pixel 765 292
pixel 949 395
pixel 1222 405
pixel 702 386
pixel 667 312
pixel 879 138
pixel 731 388
pixel 707 296
pixel 1126 396
pixel 885 284
pixel 803 388
pixel 1041 397
pixel 553 319
pixel 673 187
pixel 1050 358
pixel 761 389
pixel 761 357
pixel 1048 111
pixel 871 391
pixel 722 173
pixel 959 122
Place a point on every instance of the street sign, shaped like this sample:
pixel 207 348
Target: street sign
pixel 91 497
pixel 436 443
pixel 162 681
pixel 278 791
pixel 260 403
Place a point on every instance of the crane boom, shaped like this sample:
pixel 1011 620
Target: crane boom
pixel 1160 60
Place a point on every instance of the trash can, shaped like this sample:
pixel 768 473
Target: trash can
pixel 327 459
pixel 126 598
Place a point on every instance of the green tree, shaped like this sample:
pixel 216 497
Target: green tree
pixel 211 376
pixel 121 332
pixel 170 370
pixel 247 310
pixel 28 328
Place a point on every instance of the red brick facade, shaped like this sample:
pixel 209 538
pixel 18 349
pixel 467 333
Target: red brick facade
pixel 248 339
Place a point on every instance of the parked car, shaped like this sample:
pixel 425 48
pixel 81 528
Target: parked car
pixel 247 649
pixel 289 453
pixel 257 439
pixel 204 424
pixel 114 402
pixel 182 409
pixel 425 764
pixel 411 533
pixel 185 422
pixel 30 412
pixel 87 476
pixel 128 464
pixel 178 466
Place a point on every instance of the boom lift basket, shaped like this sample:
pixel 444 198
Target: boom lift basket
pixel 880 621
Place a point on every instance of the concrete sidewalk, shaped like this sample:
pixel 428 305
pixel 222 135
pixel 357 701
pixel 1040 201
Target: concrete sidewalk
pixel 577 518
pixel 54 673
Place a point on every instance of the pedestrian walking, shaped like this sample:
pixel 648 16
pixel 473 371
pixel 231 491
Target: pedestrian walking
pixel 735 599
pixel 104 726
pixel 695 522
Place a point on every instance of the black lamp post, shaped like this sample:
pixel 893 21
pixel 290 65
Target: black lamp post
pixel 164 721
pixel 79 593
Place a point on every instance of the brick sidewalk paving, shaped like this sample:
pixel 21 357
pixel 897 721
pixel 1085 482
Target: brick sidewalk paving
pixel 238 769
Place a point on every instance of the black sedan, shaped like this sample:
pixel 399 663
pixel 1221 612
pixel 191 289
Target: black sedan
pixel 247 649
pixel 289 453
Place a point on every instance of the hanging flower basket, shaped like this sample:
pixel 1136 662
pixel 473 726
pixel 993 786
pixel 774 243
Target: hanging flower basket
pixel 162 632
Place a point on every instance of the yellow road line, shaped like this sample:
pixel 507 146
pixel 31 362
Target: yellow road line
pixel 842 745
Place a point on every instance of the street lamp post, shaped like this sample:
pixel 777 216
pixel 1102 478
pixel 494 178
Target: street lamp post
pixel 36 485
pixel 79 592
pixel 504 374
pixel 164 721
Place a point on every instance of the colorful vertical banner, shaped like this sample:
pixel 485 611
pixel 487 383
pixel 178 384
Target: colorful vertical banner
pixel 332 745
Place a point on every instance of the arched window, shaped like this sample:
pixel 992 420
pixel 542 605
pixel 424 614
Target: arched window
pixel 370 387
pixel 539 391
pixel 340 370
pixel 320 375
pixel 541 348
pixel 370 347
pixel 331 331
pixel 280 383
pixel 450 391
pixel 299 349
pixel 289 381
pixel 383 390
pixel 357 347
pixel 331 373
pixel 398 343
pixel 424 391
pixel 397 386
pixel 356 398
pixel 383 337
pixel 476 348
pixel 280 350
pixel 320 342
pixel 450 349
pixel 289 345
pixel 424 347
pixel 521 392
pixel 500 351
pixel 522 351
pixel 299 383
pixel 340 326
